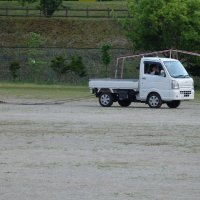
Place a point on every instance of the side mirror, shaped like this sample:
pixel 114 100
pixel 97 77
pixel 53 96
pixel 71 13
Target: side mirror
pixel 162 73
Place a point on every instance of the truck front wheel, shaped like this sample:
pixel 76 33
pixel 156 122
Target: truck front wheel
pixel 124 103
pixel 173 104
pixel 154 100
pixel 106 99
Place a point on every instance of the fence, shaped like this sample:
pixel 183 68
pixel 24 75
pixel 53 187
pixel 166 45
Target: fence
pixel 35 62
pixel 67 12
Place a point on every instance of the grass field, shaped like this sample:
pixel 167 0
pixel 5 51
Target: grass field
pixel 74 9
pixel 70 4
pixel 96 5
pixel 34 91
pixel 197 95
pixel 8 6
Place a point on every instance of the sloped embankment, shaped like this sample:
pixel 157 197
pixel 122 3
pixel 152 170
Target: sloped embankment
pixel 69 33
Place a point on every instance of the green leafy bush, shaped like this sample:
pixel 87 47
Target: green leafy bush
pixel 196 82
pixel 74 69
pixel 105 56
pixel 77 66
pixel 14 69
pixel 59 65
pixel 164 24
pixel 48 7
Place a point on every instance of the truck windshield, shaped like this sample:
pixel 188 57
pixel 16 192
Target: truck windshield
pixel 176 69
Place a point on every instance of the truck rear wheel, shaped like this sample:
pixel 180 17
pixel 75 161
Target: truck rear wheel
pixel 173 104
pixel 154 100
pixel 124 103
pixel 106 99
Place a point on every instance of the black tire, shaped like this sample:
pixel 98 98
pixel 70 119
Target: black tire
pixel 106 99
pixel 173 104
pixel 124 103
pixel 154 100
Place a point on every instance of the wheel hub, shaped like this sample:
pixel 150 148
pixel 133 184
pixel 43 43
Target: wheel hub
pixel 154 101
pixel 105 99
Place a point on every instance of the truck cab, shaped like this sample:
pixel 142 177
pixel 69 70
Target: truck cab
pixel 161 80
pixel 170 84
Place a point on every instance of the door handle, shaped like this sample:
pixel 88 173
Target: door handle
pixel 144 78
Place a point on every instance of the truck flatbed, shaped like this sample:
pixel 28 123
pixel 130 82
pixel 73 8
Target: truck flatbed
pixel 114 83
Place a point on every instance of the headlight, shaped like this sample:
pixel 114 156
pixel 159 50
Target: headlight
pixel 175 84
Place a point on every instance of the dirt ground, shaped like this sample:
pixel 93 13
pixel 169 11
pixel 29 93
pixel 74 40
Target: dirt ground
pixel 81 151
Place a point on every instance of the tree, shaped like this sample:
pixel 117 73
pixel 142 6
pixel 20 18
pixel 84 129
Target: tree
pixel 105 56
pixel 74 69
pixel 77 66
pixel 23 2
pixel 48 7
pixel 35 61
pixel 14 69
pixel 59 65
pixel 164 24
pixel 35 40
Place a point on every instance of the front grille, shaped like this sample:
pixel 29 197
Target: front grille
pixel 185 93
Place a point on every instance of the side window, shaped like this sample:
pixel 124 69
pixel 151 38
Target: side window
pixel 152 68
pixel 146 67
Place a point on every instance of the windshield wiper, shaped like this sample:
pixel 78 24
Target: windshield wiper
pixel 181 76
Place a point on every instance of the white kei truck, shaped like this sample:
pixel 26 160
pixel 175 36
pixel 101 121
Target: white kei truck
pixel 171 85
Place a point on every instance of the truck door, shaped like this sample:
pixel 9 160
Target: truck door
pixel 153 79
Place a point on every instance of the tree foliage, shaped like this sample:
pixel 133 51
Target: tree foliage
pixel 164 24
pixel 35 40
pixel 14 69
pixel 105 56
pixel 48 7
pixel 24 2
pixel 34 57
pixel 75 68
pixel 59 65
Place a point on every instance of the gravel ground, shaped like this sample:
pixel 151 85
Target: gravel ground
pixel 81 151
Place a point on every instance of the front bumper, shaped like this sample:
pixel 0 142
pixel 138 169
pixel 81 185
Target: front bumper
pixel 182 94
